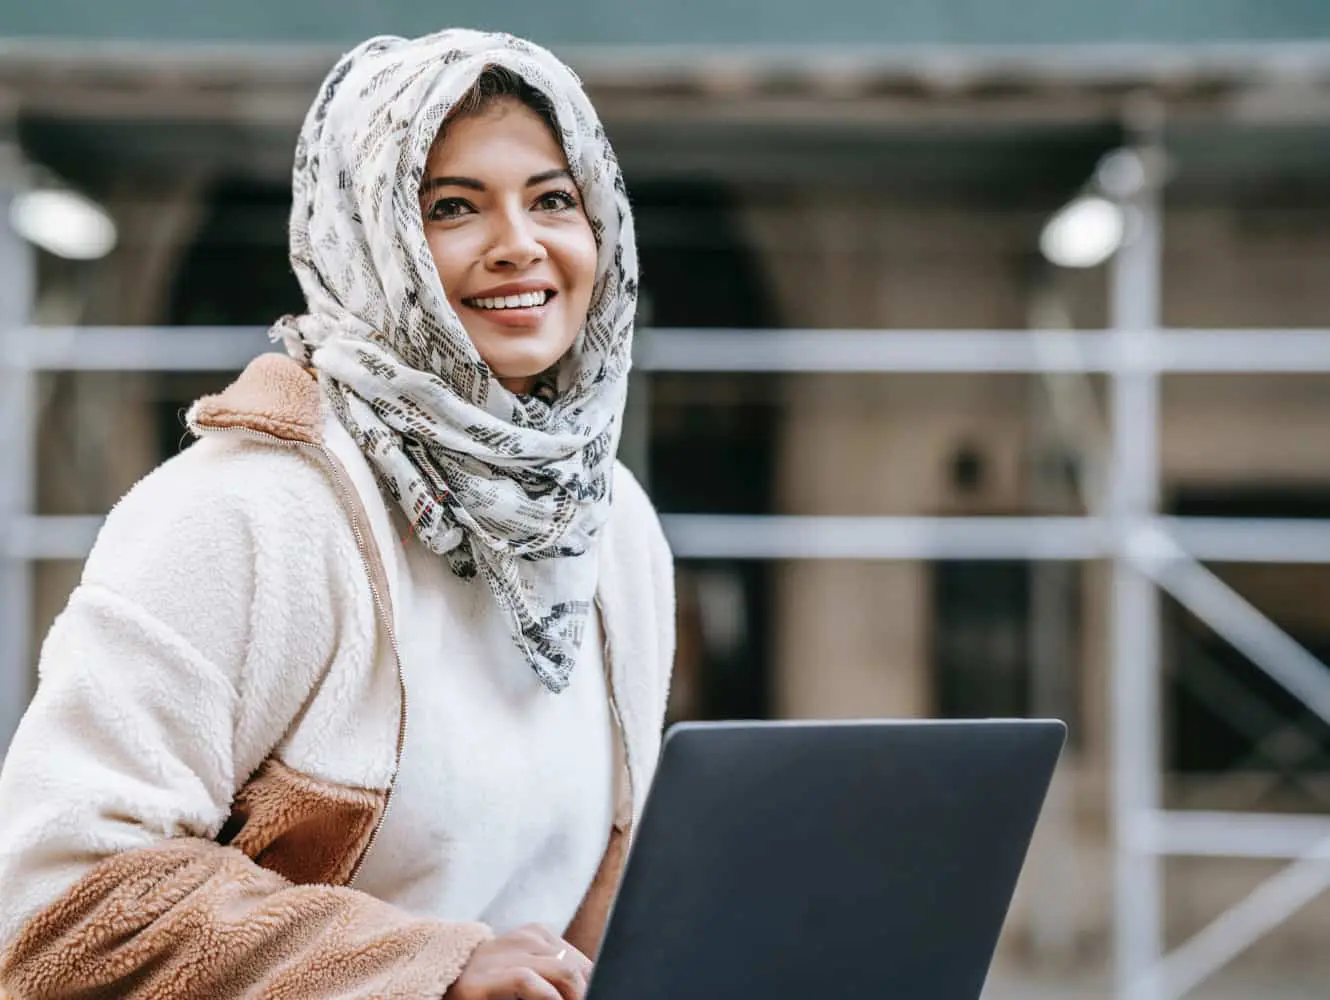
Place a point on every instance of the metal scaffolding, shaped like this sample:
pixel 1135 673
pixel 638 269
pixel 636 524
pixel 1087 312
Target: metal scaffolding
pixel 1147 552
pixel 18 413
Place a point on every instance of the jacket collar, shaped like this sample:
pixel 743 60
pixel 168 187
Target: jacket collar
pixel 274 395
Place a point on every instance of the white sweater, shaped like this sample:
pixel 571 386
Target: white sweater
pixel 527 776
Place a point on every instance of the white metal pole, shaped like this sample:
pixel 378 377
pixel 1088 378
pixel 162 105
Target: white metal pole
pixel 18 400
pixel 1056 431
pixel 1134 616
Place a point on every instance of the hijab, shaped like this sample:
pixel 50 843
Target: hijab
pixel 510 488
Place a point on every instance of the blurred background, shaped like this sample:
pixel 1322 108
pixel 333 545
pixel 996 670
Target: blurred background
pixel 979 374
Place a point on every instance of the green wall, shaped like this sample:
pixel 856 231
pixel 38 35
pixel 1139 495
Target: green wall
pixel 680 22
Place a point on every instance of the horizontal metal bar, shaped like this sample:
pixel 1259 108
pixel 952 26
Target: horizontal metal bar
pixel 52 537
pixel 1239 351
pixel 873 351
pixel 1229 834
pixel 756 536
pixel 179 349
pixel 705 536
pixel 1055 538
pixel 757 351
pixel 1251 540
pixel 979 351
pixel 720 536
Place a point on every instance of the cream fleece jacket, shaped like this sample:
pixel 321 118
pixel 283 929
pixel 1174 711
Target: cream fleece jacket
pixel 226 627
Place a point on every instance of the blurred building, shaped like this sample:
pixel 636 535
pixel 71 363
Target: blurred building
pixel 845 166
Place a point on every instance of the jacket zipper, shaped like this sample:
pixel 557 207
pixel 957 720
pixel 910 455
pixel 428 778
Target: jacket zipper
pixel 620 732
pixel 350 504
pixel 353 507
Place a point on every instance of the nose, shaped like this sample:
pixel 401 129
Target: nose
pixel 513 243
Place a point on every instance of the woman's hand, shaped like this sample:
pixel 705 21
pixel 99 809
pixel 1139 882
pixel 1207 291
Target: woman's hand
pixel 529 963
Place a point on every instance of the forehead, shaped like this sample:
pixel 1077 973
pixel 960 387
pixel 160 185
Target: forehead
pixel 505 132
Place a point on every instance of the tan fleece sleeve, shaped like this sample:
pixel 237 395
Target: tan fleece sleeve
pixel 190 919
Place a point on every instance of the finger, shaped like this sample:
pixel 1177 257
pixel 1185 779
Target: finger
pixel 548 936
pixel 568 979
pixel 538 938
pixel 526 984
pixel 578 961
pixel 565 952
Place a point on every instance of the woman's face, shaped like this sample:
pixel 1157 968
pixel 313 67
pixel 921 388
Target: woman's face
pixel 513 246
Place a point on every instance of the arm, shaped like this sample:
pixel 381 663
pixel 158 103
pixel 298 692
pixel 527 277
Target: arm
pixel 587 930
pixel 187 918
pixel 178 664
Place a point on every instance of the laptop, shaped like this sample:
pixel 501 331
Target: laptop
pixel 812 860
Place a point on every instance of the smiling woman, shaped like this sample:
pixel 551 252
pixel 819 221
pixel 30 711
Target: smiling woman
pixel 505 225
pixel 416 516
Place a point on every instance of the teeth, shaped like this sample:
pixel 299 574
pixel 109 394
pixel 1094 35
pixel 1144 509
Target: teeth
pixel 524 301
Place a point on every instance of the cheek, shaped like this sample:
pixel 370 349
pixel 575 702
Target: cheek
pixel 450 259
pixel 581 261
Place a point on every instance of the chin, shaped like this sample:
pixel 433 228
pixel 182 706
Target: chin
pixel 512 361
pixel 520 367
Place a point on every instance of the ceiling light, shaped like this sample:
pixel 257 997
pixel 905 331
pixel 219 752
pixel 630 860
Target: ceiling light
pixel 1084 233
pixel 63 222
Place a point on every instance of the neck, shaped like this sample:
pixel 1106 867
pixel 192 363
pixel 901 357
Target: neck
pixel 521 386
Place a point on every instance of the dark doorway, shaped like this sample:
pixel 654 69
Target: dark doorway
pixel 1223 711
pixel 713 439
pixel 236 273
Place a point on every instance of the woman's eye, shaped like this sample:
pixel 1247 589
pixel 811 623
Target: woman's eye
pixel 449 208
pixel 555 201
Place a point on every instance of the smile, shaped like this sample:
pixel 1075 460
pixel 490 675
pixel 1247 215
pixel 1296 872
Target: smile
pixel 526 300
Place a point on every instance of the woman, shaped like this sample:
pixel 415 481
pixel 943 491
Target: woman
pixel 416 518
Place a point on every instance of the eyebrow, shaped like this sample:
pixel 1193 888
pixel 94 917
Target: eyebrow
pixel 478 185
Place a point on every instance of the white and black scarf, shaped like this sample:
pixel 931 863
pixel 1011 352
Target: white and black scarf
pixel 512 487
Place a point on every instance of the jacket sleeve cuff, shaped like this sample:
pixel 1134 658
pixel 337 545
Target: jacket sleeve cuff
pixel 191 919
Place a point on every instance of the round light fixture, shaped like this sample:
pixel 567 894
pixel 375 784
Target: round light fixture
pixel 1084 233
pixel 63 222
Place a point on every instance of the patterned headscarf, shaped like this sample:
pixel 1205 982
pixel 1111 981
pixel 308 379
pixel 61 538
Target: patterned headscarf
pixel 513 487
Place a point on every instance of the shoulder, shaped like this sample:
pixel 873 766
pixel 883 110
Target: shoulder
pixel 223 485
pixel 234 469
pixel 231 526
